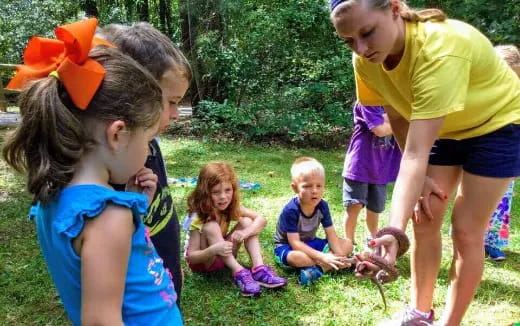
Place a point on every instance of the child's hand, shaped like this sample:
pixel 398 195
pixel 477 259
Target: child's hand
pixel 145 182
pixel 332 261
pixel 224 248
pixel 238 236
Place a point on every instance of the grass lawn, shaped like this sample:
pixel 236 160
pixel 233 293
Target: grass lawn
pixel 27 295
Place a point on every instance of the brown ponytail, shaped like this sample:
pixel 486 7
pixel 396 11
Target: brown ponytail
pixel 414 16
pixel 405 12
pixel 54 135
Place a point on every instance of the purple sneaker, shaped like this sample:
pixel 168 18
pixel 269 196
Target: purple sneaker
pixel 245 282
pixel 409 317
pixel 265 276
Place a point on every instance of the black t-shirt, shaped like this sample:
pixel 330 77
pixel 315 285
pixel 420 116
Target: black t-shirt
pixel 162 220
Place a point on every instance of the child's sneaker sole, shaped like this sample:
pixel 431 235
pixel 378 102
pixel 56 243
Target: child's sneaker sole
pixel 272 286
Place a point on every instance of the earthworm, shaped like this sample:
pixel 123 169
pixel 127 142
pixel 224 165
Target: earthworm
pixel 387 272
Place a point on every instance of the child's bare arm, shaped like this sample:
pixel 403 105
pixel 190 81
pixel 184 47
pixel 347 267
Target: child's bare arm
pixel 332 239
pixel 384 129
pixel 104 247
pixel 259 222
pixel 196 255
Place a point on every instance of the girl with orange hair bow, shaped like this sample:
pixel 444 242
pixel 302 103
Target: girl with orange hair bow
pixel 88 114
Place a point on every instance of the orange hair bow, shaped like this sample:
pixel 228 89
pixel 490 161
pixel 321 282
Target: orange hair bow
pixel 68 56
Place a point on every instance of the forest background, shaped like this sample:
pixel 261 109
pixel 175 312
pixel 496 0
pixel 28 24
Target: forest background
pixel 265 70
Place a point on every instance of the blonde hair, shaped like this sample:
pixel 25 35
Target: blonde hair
pixel 306 166
pixel 510 54
pixel 405 12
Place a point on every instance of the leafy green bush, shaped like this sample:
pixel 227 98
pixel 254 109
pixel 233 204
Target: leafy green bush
pixel 266 69
pixel 279 72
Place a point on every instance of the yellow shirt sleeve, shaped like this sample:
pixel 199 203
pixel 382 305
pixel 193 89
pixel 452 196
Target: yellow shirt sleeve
pixel 366 95
pixel 196 224
pixel 440 87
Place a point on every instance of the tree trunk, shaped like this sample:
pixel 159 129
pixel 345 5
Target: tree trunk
pixel 129 6
pixel 90 8
pixel 165 20
pixel 3 102
pixel 143 10
pixel 188 23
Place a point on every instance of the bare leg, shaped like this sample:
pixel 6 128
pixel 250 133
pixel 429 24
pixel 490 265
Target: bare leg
pixel 213 234
pixel 350 220
pixel 372 222
pixel 345 246
pixel 426 249
pixel 345 250
pixel 300 259
pixel 252 243
pixel 476 200
pixel 297 258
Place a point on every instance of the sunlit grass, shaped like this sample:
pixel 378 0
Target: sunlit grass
pixel 27 296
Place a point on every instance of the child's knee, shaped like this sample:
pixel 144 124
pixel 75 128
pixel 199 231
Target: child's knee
pixel 466 240
pixel 346 247
pixel 211 228
pixel 298 258
pixel 244 222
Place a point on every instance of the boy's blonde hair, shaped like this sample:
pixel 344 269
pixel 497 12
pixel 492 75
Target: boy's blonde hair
pixel 510 54
pixel 305 166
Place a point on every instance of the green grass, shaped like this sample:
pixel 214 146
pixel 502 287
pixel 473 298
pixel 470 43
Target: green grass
pixel 27 296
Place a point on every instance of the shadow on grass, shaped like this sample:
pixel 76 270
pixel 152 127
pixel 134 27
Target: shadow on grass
pixel 511 263
pixel 496 291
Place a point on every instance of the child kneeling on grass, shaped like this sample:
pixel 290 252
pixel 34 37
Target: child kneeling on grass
pixel 296 244
pixel 210 247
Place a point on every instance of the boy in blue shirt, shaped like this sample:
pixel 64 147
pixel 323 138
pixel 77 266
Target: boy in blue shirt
pixel 296 244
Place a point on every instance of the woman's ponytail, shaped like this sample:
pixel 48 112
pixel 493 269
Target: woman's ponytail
pixel 408 14
pixel 414 16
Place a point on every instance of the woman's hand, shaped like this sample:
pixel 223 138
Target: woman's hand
pixel 144 182
pixel 422 209
pixel 386 246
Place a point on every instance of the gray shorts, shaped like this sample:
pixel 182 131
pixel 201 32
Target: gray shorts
pixel 370 195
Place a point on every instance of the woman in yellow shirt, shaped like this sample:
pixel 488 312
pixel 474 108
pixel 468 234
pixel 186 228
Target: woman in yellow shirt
pixel 454 107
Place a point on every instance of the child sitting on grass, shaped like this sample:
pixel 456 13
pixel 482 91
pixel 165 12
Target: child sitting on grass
pixel 296 244
pixel 210 247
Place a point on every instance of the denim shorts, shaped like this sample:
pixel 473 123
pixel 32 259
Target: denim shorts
pixel 370 195
pixel 496 154
pixel 282 251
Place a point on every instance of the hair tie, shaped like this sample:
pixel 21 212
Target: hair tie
pixel 334 3
pixel 54 74
pixel 65 58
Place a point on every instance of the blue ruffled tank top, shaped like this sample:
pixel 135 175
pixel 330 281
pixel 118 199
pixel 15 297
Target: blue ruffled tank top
pixel 149 295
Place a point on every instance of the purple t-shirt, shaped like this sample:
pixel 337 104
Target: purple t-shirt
pixel 370 158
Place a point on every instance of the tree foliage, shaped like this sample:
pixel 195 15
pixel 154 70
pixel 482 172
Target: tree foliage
pixel 264 69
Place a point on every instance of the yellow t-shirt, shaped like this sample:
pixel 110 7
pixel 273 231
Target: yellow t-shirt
pixel 196 224
pixel 448 69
